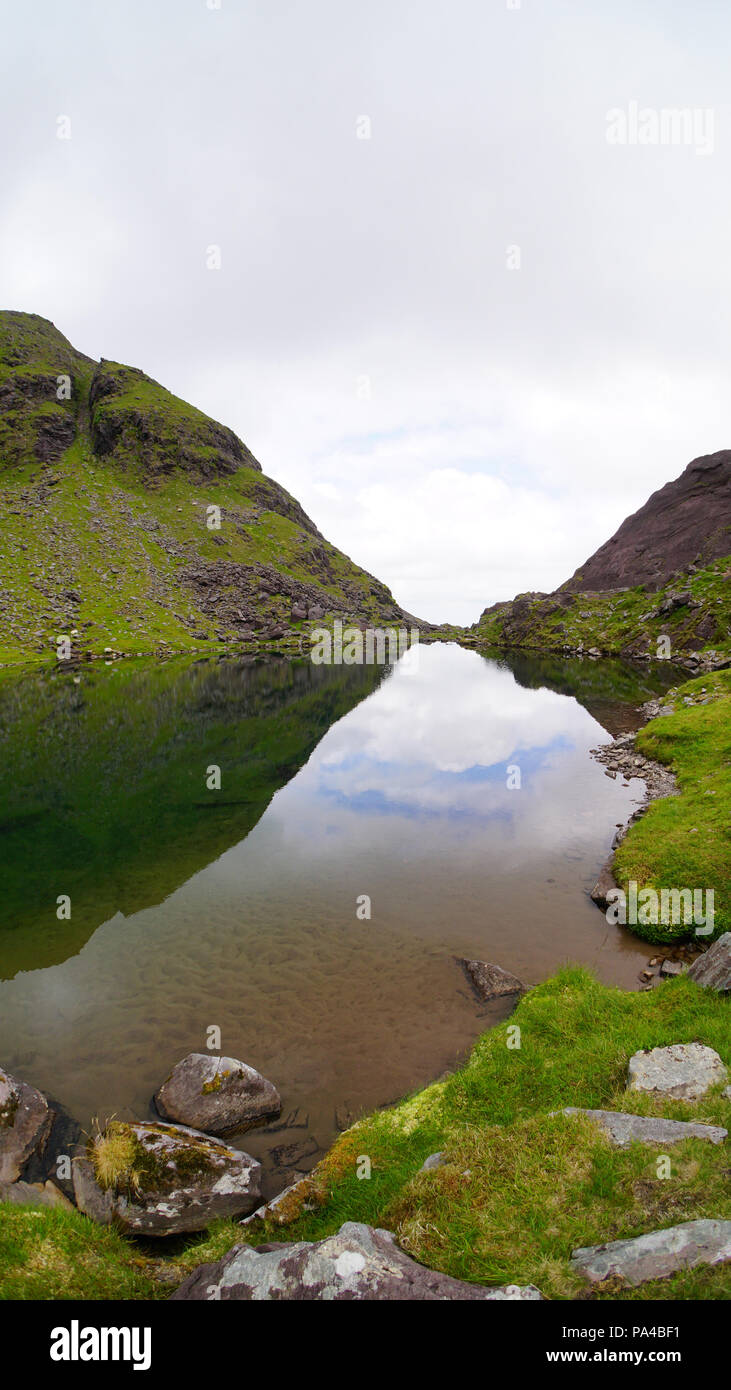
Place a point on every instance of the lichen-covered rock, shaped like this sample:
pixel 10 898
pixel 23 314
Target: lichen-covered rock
pixel 360 1263
pixel 491 981
pixel 656 1255
pixel 623 1130
pixel 174 1179
pixel 25 1123
pixel 713 968
pixel 218 1095
pixel 684 1071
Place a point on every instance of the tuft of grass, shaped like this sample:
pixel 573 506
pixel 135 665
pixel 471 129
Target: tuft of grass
pixel 114 1157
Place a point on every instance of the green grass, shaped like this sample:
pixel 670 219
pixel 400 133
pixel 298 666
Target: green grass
pixel 521 1187
pixel 685 841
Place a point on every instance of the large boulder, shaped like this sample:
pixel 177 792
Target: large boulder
pixel 656 1255
pixel 218 1095
pixel 25 1123
pixel 360 1263
pixel 154 1179
pixel 491 981
pixel 684 1071
pixel 713 968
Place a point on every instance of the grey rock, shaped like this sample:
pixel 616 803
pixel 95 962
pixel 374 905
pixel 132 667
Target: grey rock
pixel 198 1179
pixel 713 968
pixel 25 1123
pixel 673 967
pixel 624 1129
pixel 684 1071
pixel 359 1263
pixel 436 1160
pixel 34 1194
pixel 604 885
pixel 218 1095
pixel 490 981
pixel 656 1255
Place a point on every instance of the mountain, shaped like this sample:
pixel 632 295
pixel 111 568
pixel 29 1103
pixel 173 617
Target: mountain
pixel 658 587
pixel 108 491
pixel 688 521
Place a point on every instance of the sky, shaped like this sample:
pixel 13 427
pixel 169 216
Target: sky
pixel 448 267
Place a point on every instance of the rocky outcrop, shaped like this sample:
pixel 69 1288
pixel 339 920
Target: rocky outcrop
pixel 141 424
pixel 490 981
pixel 167 1179
pixel 25 1124
pixel 684 1071
pixel 713 968
pixel 622 1129
pixel 219 1095
pixel 656 1255
pixel 685 522
pixel 360 1263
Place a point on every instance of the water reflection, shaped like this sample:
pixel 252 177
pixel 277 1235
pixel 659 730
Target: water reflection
pixel 245 917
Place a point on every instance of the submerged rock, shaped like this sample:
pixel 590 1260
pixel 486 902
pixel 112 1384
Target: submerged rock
pixel 713 968
pixel 490 981
pixel 360 1263
pixel 623 1129
pixel 218 1095
pixel 25 1123
pixel 656 1255
pixel 160 1180
pixel 684 1071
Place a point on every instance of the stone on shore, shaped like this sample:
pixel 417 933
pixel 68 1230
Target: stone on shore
pixel 605 885
pixel 218 1095
pixel 656 1255
pixel 684 1071
pixel 623 1129
pixel 490 981
pixel 25 1124
pixel 170 1179
pixel 713 968
pixel 359 1263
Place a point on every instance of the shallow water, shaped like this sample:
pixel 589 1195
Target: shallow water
pixel 237 908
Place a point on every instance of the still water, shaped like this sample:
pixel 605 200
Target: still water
pixel 236 907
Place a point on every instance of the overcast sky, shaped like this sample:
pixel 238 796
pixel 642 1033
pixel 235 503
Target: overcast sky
pixel 463 429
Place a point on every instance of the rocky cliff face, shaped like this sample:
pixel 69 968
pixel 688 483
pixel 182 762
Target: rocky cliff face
pixel 688 521
pixel 131 520
pixel 660 586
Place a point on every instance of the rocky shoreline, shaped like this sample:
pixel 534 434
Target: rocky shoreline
pixel 156 1179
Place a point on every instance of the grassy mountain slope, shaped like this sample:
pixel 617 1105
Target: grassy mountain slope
pixel 106 499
